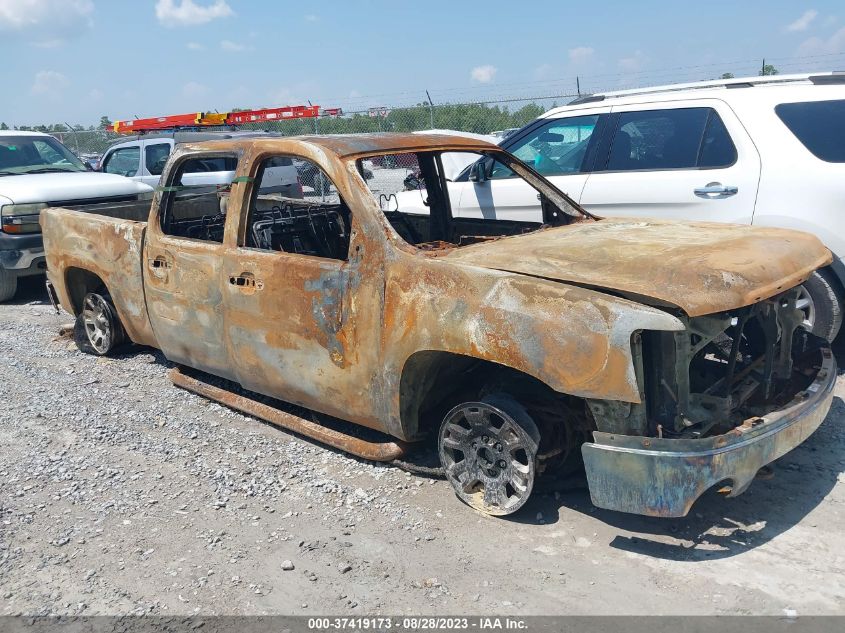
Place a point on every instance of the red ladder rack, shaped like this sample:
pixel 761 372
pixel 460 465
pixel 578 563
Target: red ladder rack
pixel 205 119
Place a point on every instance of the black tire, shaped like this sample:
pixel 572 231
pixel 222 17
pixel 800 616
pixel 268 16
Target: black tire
pixel 824 312
pixel 8 284
pixel 97 329
pixel 488 450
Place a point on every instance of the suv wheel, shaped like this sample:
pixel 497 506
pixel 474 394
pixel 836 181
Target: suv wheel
pixel 489 452
pixel 821 304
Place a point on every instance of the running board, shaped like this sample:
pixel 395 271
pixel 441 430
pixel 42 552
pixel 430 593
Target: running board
pixel 374 451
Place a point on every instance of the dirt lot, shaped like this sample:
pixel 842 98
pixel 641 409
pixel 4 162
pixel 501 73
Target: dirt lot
pixel 120 493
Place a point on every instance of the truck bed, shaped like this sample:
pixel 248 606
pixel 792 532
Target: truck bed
pixel 106 240
pixel 135 210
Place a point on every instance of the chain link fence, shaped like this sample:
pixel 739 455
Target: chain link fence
pixel 495 118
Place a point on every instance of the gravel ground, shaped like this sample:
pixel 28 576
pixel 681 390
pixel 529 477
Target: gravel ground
pixel 120 493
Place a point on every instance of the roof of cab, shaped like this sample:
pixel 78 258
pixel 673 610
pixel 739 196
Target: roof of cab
pixel 355 145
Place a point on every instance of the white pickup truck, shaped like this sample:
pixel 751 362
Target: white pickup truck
pixel 37 171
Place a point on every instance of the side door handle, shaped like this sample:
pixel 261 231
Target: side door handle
pixel 160 266
pixel 716 191
pixel 246 282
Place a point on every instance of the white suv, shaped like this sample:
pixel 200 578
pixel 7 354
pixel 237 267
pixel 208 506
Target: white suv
pixel 762 150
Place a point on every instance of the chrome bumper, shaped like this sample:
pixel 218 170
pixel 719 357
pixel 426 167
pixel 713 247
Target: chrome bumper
pixel 664 477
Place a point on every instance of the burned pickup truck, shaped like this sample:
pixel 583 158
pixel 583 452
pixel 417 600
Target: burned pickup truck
pixel 664 358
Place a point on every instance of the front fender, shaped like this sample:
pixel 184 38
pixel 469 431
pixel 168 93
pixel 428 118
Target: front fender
pixel 575 340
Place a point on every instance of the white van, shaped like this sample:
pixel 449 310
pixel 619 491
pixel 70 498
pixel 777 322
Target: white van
pixel 142 158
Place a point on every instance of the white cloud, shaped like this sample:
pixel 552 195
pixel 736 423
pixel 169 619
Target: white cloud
pixel 188 13
pixel 194 46
pixel 46 23
pixel 295 94
pixel 233 47
pixel 49 83
pixel 284 97
pixel 633 63
pixel 803 22
pixel 483 74
pixel 193 89
pixel 310 17
pixel 580 54
pixel 820 46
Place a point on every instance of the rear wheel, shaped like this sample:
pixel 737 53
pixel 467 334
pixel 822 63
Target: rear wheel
pixel 821 303
pixel 489 452
pixel 97 329
pixel 8 284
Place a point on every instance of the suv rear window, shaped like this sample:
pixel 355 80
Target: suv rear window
pixel 683 138
pixel 819 125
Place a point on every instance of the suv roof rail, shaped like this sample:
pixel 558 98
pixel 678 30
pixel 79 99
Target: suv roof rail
pixel 826 79
pixel 586 99
pixel 821 78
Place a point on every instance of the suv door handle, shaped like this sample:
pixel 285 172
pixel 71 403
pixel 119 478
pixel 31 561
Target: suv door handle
pixel 715 191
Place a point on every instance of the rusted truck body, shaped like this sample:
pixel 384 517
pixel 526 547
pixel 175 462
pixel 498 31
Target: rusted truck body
pixel 668 358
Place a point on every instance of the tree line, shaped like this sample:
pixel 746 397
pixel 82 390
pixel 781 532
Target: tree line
pixel 477 117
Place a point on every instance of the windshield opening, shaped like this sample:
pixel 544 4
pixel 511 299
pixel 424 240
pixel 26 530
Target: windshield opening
pixel 34 155
pixel 431 212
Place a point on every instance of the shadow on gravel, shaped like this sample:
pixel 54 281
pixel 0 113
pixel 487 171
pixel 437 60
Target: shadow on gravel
pixel 30 290
pixel 719 527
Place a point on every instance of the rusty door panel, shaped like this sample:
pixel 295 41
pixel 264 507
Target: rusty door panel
pixel 297 331
pixel 107 247
pixel 182 278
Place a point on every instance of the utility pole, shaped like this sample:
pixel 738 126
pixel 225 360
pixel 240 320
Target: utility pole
pixel 578 84
pixel 763 68
pixel 430 109
pixel 316 130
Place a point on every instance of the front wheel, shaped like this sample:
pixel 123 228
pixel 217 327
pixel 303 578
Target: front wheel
pixel 8 284
pixel 489 452
pixel 97 329
pixel 820 301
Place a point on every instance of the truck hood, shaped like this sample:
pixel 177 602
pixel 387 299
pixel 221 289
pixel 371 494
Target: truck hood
pixel 702 268
pixel 81 185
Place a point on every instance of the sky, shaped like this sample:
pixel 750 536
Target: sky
pixel 73 61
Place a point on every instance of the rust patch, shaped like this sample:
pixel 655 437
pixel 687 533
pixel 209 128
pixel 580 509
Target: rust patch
pixel 375 451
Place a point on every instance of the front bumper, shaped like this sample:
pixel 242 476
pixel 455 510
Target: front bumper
pixel 23 254
pixel 664 477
